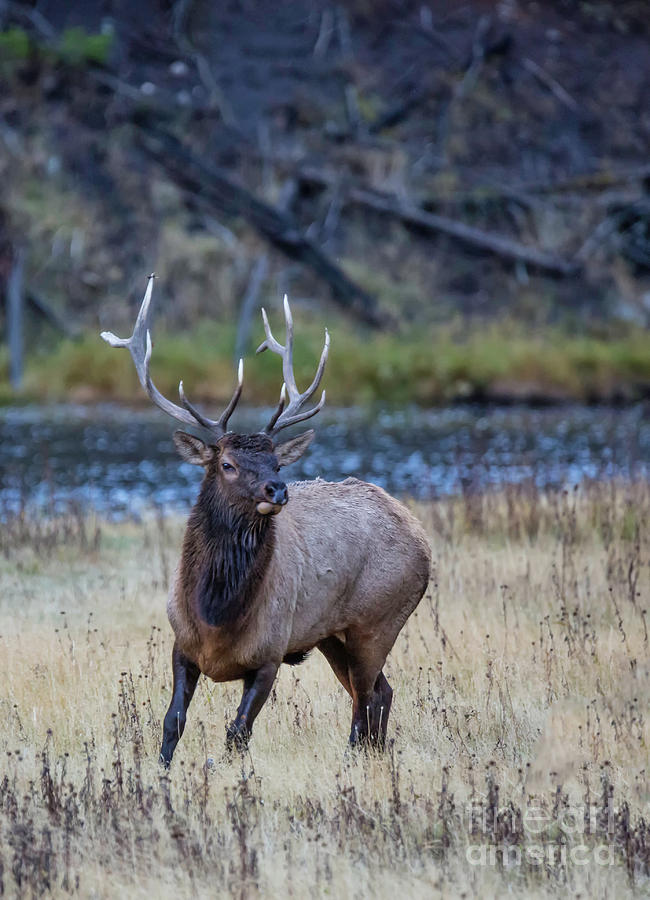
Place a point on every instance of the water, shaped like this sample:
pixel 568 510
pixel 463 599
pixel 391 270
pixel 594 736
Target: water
pixel 120 461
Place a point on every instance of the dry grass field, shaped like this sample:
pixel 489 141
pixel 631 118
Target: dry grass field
pixel 518 761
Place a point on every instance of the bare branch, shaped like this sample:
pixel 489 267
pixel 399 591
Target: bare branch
pixel 410 214
pixel 210 186
pixel 553 86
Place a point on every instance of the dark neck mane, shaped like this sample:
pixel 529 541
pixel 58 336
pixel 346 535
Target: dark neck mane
pixel 225 556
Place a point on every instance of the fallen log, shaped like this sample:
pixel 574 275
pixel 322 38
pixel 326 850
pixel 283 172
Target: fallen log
pixel 43 309
pixel 210 185
pixel 412 215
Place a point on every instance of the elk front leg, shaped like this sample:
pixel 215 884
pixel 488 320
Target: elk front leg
pixel 186 675
pixel 257 687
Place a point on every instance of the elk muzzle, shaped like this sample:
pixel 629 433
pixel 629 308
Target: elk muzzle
pixel 274 497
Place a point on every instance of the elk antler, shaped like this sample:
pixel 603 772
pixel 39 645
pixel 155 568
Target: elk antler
pixel 282 417
pixel 139 346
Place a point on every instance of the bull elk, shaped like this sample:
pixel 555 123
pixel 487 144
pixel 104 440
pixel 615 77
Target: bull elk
pixel 261 580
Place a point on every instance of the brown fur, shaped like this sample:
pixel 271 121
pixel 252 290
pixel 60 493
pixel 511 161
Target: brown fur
pixel 348 560
pixel 340 567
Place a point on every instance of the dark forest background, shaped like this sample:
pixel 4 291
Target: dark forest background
pixel 460 190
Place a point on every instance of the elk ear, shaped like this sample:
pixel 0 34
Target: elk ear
pixel 292 450
pixel 192 449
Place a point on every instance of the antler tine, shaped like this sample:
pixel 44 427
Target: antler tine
pixel 137 342
pixel 216 426
pixel 270 343
pixel 200 418
pixel 187 418
pixel 280 407
pixel 234 400
pixel 300 417
pixel 321 367
pixel 282 417
pixel 287 359
pixel 140 348
pixel 285 352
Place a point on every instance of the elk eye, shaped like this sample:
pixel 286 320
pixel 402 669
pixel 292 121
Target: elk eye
pixel 227 467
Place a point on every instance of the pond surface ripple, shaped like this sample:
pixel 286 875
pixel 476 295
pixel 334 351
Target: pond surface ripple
pixel 122 461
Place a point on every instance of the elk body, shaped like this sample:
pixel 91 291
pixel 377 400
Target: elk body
pixel 269 571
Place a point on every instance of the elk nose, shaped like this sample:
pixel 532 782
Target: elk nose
pixel 276 491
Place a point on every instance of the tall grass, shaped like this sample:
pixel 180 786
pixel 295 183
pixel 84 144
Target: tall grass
pixel 425 367
pixel 518 755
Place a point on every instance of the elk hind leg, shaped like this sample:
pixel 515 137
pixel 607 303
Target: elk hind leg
pixel 371 697
pixel 333 649
pixel 370 711
pixel 383 703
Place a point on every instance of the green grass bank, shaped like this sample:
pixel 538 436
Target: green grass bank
pixel 501 362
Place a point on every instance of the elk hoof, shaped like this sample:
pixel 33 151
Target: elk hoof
pixel 366 743
pixel 237 740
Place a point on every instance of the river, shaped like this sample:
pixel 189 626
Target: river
pixel 121 461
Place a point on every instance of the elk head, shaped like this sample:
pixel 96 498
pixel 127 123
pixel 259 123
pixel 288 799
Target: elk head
pixel 243 470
